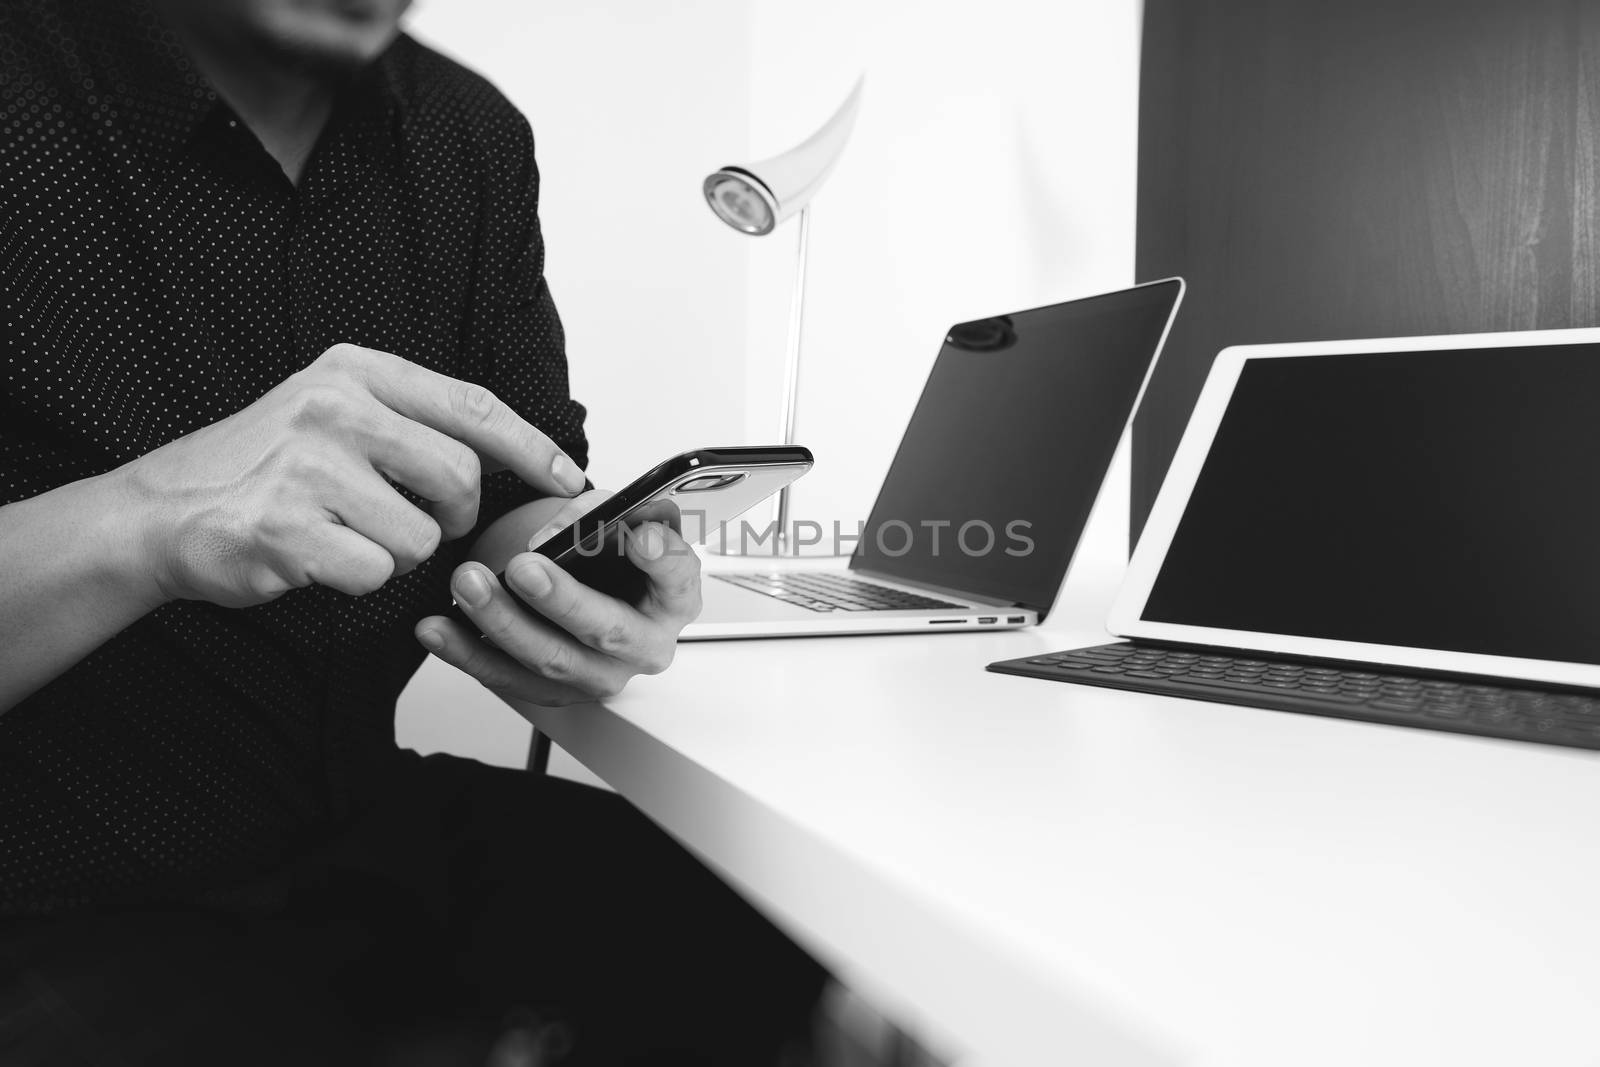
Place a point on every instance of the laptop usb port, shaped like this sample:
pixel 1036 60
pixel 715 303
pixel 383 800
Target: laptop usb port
pixel 1016 618
pixel 987 620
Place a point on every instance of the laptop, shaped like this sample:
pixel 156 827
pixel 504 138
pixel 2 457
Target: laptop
pixel 989 492
pixel 1401 531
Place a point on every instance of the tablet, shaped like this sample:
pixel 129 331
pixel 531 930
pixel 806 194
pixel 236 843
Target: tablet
pixel 1426 502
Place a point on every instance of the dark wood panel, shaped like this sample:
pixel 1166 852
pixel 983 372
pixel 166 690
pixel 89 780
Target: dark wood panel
pixel 1362 168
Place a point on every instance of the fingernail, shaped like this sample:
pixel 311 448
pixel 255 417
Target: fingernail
pixel 567 474
pixel 542 535
pixel 431 640
pixel 531 578
pixel 647 538
pixel 472 589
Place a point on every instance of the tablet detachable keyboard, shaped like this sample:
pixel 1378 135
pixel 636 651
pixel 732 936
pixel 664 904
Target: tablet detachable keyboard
pixel 825 591
pixel 1377 695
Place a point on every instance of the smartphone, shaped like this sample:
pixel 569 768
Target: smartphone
pixel 695 492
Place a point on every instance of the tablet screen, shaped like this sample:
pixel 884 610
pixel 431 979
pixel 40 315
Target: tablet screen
pixel 1444 500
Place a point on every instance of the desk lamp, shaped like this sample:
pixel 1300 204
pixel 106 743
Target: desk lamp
pixel 754 199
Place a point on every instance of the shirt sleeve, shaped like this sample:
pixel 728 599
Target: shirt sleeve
pixel 520 335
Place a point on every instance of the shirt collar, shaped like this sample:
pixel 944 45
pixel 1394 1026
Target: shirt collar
pixel 149 86
pixel 140 77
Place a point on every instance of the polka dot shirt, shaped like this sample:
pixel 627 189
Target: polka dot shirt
pixel 157 273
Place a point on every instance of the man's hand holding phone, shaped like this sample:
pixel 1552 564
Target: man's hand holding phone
pixel 551 639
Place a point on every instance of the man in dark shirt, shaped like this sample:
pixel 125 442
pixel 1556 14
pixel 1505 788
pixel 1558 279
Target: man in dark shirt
pixel 282 375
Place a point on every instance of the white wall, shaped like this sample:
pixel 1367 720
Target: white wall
pixel 992 168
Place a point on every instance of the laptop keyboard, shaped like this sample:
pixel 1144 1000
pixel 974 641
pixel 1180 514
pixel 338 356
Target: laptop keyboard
pixel 1551 717
pixel 826 591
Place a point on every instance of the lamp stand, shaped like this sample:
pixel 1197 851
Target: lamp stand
pixel 783 541
pixel 791 372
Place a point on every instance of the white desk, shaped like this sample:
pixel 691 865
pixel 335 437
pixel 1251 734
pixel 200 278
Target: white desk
pixel 1044 873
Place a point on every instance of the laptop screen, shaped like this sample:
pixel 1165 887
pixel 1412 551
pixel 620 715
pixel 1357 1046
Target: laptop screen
pixel 1444 500
pixel 994 480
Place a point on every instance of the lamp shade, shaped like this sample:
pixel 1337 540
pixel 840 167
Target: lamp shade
pixel 754 198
